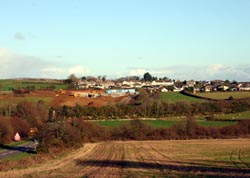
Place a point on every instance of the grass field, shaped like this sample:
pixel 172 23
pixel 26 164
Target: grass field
pixel 15 84
pixel 18 157
pixel 225 95
pixel 176 158
pixel 234 116
pixel 32 99
pixel 174 97
pixel 15 144
pixel 164 123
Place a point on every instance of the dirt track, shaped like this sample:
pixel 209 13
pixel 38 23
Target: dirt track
pixel 215 158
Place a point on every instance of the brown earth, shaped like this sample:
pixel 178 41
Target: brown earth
pixel 203 158
pixel 59 99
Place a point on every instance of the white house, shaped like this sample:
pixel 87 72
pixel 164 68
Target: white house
pixel 162 83
pixel 164 90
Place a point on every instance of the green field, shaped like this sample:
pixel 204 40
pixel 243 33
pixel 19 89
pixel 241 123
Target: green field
pixel 174 97
pixel 19 156
pixel 33 99
pixel 164 123
pixel 6 85
pixel 13 144
pixel 224 95
pixel 234 116
pixel 167 123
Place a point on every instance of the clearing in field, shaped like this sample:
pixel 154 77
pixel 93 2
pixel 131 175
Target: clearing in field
pixel 225 95
pixel 174 97
pixel 189 158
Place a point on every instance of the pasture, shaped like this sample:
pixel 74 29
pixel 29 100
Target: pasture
pixel 6 85
pixel 176 158
pixel 163 123
pixel 12 101
pixel 233 116
pixel 174 97
pixel 224 95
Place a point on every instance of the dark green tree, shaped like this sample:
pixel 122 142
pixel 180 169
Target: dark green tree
pixel 147 77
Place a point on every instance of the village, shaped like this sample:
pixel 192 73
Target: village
pixel 118 88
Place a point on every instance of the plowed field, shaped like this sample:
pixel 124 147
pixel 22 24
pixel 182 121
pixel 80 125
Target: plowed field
pixel 192 158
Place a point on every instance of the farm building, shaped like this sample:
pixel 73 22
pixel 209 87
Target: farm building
pixel 112 91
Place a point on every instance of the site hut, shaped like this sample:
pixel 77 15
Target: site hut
pixel 120 92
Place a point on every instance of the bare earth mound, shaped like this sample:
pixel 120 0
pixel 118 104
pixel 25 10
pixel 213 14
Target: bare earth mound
pixel 205 158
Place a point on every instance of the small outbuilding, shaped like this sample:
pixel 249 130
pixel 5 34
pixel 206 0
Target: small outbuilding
pixel 17 137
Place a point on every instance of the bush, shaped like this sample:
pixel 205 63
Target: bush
pixel 6 131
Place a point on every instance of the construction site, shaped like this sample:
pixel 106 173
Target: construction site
pixel 95 98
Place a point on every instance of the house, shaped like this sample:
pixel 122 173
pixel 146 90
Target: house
pixel 190 83
pixel 162 83
pixel 138 84
pixel 208 88
pixel 177 89
pixel 222 88
pixel 244 87
pixel 108 84
pixel 17 137
pixel 164 90
pixel 128 84
pixel 234 87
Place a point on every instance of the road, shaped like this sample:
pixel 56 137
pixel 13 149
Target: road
pixel 9 151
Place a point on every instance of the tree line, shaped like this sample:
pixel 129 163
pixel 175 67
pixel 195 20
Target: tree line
pixel 74 133
pixel 66 126
pixel 152 108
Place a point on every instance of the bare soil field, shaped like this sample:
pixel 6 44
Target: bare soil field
pixel 182 158
pixel 59 99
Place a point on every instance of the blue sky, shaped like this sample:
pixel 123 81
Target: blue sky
pixel 181 39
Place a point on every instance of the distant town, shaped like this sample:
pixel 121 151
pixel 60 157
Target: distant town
pixel 132 84
pixel 155 84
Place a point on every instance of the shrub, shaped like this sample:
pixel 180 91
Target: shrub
pixel 6 131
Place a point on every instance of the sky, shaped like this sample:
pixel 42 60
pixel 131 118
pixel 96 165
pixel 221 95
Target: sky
pixel 180 39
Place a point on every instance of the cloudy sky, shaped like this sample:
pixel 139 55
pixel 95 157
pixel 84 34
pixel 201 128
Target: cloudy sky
pixel 180 39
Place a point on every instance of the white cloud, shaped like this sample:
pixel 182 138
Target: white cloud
pixel 16 65
pixel 19 36
pixel 205 72
pixel 137 72
pixel 214 68
pixel 78 70
pixel 53 69
pixel 3 52
pixel 19 66
pixel 63 72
